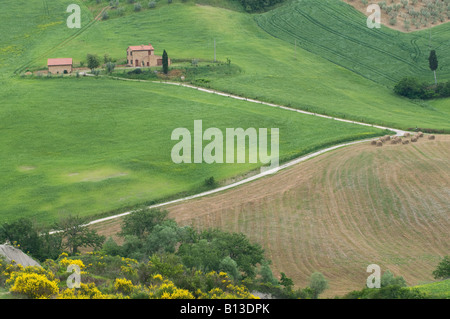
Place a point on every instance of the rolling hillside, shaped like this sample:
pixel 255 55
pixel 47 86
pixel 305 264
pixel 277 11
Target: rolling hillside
pixel 91 146
pixel 272 68
pixel 92 150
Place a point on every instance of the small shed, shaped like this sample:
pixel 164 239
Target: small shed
pixel 60 66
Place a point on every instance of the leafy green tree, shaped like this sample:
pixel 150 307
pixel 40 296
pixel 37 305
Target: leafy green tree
pixel 443 269
pixel 236 245
pixel 388 279
pixel 165 62
pixel 21 232
pixel 31 239
pixel 266 274
pixel 75 234
pixel 110 67
pixel 287 282
pixel 106 58
pixel 51 245
pixel 202 255
pixel 141 222
pixel 133 247
pixel 409 87
pixel 111 248
pixel 229 266
pixel 93 61
pixel 433 62
pixel 318 284
pixel 164 237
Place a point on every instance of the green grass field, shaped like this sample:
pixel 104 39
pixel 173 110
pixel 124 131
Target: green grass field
pixel 439 289
pixel 87 146
pixel 106 144
pixel 336 32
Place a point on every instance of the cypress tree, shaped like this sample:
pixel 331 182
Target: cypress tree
pixel 165 62
pixel 433 64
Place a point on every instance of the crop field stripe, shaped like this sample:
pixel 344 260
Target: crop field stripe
pixel 273 20
pixel 289 22
pixel 382 36
pixel 46 11
pixel 351 39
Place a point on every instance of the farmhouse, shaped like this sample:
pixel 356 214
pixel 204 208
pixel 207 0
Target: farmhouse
pixel 143 55
pixel 60 66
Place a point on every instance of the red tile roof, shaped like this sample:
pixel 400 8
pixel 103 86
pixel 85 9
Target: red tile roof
pixel 63 61
pixel 141 47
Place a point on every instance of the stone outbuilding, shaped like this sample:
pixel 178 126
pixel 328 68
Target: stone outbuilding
pixel 60 66
pixel 143 56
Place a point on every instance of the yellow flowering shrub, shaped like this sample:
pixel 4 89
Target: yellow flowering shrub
pixel 127 270
pixel 167 290
pixel 123 285
pixel 177 294
pixel 86 291
pixel 14 271
pixel 66 262
pixel 9 269
pixel 158 277
pixel 34 285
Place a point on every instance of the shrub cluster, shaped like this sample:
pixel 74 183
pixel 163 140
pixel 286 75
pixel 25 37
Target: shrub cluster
pixel 414 89
pixel 258 5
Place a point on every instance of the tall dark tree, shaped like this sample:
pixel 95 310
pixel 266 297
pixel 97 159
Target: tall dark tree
pixel 165 62
pixel 433 64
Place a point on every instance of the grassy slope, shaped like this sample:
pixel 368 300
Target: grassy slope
pixel 439 289
pixel 61 117
pixel 335 31
pixel 270 71
pixel 32 30
pixel 105 144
